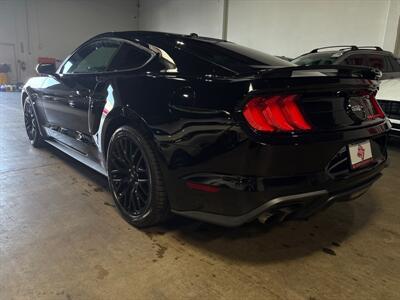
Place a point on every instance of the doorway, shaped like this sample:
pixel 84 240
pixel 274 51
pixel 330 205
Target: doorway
pixel 7 56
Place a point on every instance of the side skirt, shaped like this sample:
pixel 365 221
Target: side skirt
pixel 77 155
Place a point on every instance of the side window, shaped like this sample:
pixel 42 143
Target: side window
pixel 129 57
pixel 377 61
pixel 388 66
pixel 395 64
pixel 355 60
pixel 92 58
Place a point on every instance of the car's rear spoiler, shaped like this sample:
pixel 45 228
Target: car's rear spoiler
pixel 323 70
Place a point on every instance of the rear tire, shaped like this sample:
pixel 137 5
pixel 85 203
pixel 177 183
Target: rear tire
pixel 32 125
pixel 135 178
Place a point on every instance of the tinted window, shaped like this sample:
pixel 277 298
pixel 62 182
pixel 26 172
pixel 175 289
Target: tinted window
pixel 376 61
pixel 395 64
pixel 195 56
pixel 94 57
pixel 315 59
pixel 388 65
pixel 356 60
pixel 129 57
pixel 231 56
pixel 370 60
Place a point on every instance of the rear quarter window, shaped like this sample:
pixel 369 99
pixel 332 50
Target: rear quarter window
pixel 129 57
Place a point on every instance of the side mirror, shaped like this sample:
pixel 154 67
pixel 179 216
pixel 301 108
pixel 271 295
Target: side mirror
pixel 46 69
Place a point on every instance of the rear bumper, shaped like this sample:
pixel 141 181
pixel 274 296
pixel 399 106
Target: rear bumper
pixel 253 178
pixel 294 206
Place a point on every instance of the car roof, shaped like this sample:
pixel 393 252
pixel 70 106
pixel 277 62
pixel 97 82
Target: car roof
pixel 350 49
pixel 346 50
pixel 147 36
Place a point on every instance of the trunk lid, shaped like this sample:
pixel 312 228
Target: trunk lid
pixel 331 98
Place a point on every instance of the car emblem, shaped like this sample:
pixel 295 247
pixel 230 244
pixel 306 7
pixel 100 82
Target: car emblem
pixel 356 110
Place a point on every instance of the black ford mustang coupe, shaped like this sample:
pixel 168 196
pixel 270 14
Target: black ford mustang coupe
pixel 209 129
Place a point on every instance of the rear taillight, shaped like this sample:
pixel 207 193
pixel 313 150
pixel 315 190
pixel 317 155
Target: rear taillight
pixel 378 112
pixel 275 114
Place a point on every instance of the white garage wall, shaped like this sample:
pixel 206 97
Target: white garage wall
pixel 293 27
pixel 391 25
pixel 182 16
pixel 53 28
pixel 284 27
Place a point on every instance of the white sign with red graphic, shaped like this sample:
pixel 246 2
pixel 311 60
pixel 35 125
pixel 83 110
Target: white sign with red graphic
pixel 360 154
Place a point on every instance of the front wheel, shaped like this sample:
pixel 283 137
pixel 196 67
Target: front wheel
pixel 32 125
pixel 135 178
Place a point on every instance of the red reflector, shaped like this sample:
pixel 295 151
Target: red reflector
pixel 202 187
pixel 378 112
pixel 275 114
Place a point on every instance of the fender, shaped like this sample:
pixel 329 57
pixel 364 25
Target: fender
pixel 118 117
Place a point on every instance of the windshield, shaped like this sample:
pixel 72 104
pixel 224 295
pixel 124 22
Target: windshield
pixel 316 59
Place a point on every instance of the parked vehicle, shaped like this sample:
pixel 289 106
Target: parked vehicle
pixel 370 56
pixel 209 129
pixel 284 57
pixel 389 99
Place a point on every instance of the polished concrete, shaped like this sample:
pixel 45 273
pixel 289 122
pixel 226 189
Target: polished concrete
pixel 62 238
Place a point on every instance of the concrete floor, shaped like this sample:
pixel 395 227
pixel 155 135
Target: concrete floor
pixel 61 238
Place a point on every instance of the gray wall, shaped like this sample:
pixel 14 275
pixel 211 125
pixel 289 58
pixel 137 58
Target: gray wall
pixel 33 28
pixel 53 28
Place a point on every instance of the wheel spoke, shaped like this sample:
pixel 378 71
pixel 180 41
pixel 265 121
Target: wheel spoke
pixel 141 198
pixel 134 200
pixel 122 150
pixel 129 176
pixel 119 164
pixel 116 172
pixel 143 191
pixel 141 170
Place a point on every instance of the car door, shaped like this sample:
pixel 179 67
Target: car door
pixel 127 65
pixel 68 94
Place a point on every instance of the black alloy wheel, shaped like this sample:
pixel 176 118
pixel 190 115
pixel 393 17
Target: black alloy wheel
pixel 31 124
pixel 129 174
pixel 135 179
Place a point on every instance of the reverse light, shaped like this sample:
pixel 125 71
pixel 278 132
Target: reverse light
pixel 275 114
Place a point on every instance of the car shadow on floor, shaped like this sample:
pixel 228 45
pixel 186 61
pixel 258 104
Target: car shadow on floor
pixel 88 173
pixel 267 243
